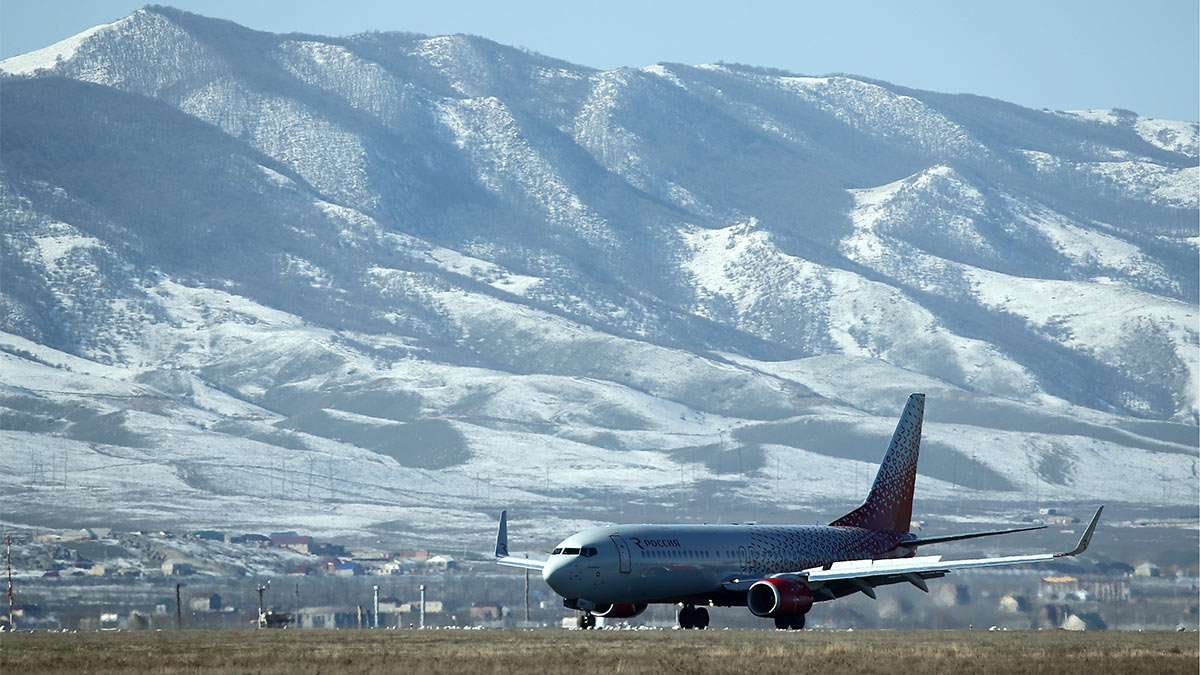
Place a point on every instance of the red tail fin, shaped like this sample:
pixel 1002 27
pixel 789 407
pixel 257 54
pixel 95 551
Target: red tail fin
pixel 889 504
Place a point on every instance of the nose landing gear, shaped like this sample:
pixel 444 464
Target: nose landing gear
pixel 585 620
pixel 692 617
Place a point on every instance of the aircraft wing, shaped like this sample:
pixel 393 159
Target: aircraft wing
pixel 866 574
pixel 502 556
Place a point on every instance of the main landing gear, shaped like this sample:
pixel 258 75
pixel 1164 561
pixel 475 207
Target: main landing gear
pixel 692 617
pixel 585 620
pixel 793 621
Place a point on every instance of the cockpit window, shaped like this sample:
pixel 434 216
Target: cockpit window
pixel 570 551
pixel 588 551
pixel 556 551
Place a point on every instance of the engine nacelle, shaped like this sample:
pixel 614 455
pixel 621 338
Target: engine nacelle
pixel 778 597
pixel 619 611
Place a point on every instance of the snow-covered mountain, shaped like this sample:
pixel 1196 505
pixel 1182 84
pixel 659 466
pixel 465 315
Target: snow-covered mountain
pixel 390 283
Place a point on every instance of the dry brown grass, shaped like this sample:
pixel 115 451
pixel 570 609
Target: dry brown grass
pixel 560 651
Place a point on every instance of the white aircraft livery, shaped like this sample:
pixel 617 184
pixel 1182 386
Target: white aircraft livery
pixel 776 571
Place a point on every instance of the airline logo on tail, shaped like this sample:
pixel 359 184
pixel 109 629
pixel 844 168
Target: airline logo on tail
pixel 889 504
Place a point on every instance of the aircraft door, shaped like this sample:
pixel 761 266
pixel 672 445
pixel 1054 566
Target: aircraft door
pixel 623 556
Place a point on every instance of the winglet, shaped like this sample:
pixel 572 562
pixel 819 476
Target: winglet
pixel 1087 536
pixel 502 536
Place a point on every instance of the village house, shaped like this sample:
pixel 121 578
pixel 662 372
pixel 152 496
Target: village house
pixel 177 568
pixel 440 563
pixel 349 569
pixel 205 602
pixel 1146 569
pixel 292 541
pixel 486 610
pixel 333 617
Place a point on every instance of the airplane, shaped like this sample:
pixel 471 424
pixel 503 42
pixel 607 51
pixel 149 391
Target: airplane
pixel 776 571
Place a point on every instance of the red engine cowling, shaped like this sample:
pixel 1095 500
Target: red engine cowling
pixel 619 611
pixel 778 597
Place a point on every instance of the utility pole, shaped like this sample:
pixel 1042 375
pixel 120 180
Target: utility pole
pixel 422 605
pixel 12 621
pixel 526 594
pixel 262 618
pixel 375 608
pixel 178 608
pixel 296 611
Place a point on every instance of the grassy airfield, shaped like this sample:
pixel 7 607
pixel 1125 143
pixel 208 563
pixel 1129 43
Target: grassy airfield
pixel 562 651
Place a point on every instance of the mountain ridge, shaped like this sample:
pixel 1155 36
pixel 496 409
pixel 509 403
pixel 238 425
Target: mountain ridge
pixel 270 240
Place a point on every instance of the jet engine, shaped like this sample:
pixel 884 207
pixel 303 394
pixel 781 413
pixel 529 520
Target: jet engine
pixel 619 611
pixel 778 597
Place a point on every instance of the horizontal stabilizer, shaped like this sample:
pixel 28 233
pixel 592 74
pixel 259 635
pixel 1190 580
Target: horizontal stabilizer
pixel 924 541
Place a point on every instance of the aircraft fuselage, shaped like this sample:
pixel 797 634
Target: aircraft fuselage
pixel 690 563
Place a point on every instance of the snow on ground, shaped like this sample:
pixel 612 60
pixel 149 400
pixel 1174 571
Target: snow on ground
pixel 48 57
pixel 519 459
pixel 1170 135
pixel 1094 317
pixel 1088 246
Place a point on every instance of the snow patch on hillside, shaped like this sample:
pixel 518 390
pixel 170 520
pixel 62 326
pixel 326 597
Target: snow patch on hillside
pixel 1115 323
pixel 48 57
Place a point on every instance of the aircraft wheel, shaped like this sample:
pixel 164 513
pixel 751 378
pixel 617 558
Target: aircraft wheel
pixel 797 622
pixel 687 617
pixel 783 622
pixel 585 621
pixel 700 618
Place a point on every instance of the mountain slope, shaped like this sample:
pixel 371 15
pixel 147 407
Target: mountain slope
pixel 389 275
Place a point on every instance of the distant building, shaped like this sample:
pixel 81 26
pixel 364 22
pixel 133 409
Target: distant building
pixel 486 610
pixel 1065 587
pixel 302 570
pixel 440 562
pixel 208 602
pixel 294 542
pixel 414 607
pixel 1061 520
pixel 323 549
pixel 97 571
pixel 209 535
pixel 1146 569
pixel 177 568
pixel 393 567
pixel 1014 604
pixel 417 556
pixel 333 617
pixel 349 569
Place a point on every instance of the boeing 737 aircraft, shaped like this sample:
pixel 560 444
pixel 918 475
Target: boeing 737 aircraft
pixel 776 571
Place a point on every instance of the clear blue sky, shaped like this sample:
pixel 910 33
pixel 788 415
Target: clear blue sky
pixel 1143 55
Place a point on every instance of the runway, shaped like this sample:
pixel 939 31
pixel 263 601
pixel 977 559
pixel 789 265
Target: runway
pixel 633 651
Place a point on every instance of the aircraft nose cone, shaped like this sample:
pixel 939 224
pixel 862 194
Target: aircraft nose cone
pixel 555 575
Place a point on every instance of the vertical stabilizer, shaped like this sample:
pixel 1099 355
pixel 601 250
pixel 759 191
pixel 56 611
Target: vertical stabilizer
pixel 889 504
